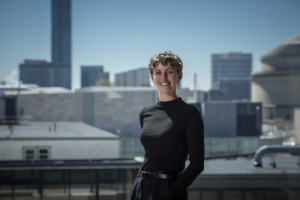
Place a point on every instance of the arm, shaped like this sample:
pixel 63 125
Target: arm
pixel 141 117
pixel 195 143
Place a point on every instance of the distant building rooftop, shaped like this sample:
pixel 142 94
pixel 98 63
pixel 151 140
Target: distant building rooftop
pixel 51 130
pixel 285 164
pixel 7 88
pixel 43 90
pixel 114 89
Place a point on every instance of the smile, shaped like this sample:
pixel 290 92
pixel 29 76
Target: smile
pixel 163 84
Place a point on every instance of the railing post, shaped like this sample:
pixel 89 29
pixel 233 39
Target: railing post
pixel 97 185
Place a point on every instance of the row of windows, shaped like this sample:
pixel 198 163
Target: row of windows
pixel 36 153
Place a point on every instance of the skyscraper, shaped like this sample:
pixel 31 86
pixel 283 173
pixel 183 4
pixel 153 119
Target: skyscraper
pixel 230 74
pixel 61 31
pixel 58 72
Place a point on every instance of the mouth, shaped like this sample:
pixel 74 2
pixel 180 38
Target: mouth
pixel 165 83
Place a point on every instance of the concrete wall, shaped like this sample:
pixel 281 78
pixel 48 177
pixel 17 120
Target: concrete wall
pixel 219 119
pixel 297 125
pixel 62 149
pixel 230 119
pixel 279 90
pixel 116 111
pixel 53 107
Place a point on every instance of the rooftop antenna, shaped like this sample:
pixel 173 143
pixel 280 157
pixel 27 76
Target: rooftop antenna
pixel 195 87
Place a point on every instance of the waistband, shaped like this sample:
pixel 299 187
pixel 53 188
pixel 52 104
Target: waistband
pixel 159 175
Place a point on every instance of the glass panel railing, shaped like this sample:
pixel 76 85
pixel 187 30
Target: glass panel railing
pixel 214 147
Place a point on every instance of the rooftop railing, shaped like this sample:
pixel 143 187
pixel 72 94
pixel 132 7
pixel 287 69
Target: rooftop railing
pixel 214 147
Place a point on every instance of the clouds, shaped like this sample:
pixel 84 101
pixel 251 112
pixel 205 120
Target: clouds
pixel 12 78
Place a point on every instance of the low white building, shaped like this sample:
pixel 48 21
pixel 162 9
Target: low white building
pixel 61 140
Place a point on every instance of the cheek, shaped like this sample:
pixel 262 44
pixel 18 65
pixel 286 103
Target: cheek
pixel 174 76
pixel 154 78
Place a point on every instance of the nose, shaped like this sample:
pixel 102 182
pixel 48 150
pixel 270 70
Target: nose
pixel 165 75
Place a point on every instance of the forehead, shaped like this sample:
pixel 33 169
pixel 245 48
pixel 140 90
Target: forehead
pixel 160 66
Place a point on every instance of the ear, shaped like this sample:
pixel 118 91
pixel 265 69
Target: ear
pixel 180 76
pixel 151 76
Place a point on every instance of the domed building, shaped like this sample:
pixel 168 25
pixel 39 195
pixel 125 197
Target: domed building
pixel 277 86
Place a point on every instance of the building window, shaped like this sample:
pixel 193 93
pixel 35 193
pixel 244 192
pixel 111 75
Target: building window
pixel 29 154
pixel 36 153
pixel 43 154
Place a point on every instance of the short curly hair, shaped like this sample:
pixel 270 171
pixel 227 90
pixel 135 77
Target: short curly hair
pixel 164 59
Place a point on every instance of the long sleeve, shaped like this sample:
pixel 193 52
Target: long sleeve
pixel 195 142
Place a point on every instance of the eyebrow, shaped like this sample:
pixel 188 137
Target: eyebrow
pixel 171 68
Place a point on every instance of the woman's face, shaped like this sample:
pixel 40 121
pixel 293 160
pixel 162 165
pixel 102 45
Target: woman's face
pixel 165 78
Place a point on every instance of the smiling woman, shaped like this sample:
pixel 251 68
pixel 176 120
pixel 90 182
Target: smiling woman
pixel 166 73
pixel 170 131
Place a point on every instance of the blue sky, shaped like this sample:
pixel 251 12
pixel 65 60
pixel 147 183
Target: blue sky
pixel 123 35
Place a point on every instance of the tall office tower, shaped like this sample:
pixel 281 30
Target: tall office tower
pixel 137 77
pixel 230 74
pixel 58 72
pixel 61 31
pixel 61 41
pixel 91 75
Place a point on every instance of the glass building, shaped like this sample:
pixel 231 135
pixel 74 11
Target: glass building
pixel 230 74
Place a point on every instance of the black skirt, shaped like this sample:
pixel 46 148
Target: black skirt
pixel 153 189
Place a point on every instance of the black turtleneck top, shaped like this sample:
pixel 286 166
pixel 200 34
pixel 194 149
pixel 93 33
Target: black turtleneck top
pixel 171 131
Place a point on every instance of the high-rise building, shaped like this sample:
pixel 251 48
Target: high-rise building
pixel 61 31
pixel 90 75
pixel 230 74
pixel 137 77
pixel 58 72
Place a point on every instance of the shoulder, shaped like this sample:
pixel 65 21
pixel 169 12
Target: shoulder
pixel 191 110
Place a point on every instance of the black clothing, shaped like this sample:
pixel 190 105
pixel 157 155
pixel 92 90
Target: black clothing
pixel 170 132
pixel 153 189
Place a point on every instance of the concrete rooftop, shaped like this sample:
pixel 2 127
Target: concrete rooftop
pixel 47 130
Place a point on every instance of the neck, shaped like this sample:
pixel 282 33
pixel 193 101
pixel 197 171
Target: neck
pixel 166 97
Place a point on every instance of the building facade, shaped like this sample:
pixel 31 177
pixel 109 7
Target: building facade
pixel 137 77
pixel 44 74
pixel 114 109
pixel 90 75
pixel 277 84
pixel 36 72
pixel 57 140
pixel 230 74
pixel 61 41
pixel 61 31
pixel 56 73
pixel 231 119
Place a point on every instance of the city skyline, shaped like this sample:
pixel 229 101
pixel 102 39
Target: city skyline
pixel 124 36
pixel 58 72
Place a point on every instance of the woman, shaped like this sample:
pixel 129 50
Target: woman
pixel 171 130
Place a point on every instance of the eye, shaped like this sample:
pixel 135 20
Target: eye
pixel 170 72
pixel 157 73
